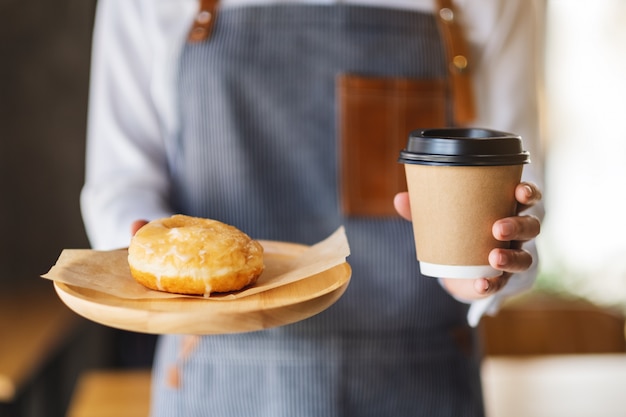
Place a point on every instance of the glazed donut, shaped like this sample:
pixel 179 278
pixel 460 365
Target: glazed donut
pixel 192 255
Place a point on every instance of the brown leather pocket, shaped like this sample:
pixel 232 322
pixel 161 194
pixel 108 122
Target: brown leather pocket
pixel 375 118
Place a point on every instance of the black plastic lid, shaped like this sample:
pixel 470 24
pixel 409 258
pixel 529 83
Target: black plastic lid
pixel 463 147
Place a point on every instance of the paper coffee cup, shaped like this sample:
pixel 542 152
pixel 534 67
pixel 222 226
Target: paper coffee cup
pixel 460 181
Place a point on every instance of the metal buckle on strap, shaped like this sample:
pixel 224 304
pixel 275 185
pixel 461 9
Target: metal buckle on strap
pixel 204 21
pixel 458 56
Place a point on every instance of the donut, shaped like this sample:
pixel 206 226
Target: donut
pixel 195 256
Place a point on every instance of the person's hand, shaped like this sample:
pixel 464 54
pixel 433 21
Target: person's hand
pixel 136 225
pixel 516 229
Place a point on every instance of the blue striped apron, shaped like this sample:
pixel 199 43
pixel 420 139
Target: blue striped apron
pixel 257 149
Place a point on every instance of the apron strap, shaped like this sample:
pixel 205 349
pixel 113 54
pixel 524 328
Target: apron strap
pixel 204 21
pixel 458 55
pixel 456 49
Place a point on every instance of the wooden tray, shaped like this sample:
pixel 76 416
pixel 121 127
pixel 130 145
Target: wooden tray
pixel 276 307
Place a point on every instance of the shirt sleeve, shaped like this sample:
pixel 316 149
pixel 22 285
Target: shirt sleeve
pixel 126 170
pixel 506 40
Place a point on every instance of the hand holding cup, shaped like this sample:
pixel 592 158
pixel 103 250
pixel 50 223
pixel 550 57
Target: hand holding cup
pixel 465 200
pixel 516 229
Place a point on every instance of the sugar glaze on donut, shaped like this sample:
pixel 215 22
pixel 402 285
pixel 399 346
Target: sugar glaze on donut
pixel 196 256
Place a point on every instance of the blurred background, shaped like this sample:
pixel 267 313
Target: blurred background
pixel 44 63
pixel 583 241
pixel 44 48
pixel 44 75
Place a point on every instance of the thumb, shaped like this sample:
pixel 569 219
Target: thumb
pixel 136 225
pixel 401 204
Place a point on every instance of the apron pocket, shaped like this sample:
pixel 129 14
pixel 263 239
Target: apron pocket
pixel 375 117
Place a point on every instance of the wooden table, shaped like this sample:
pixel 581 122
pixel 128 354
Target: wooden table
pixel 106 393
pixel 555 386
pixel 534 386
pixel 34 325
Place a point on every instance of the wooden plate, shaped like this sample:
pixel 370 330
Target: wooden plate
pixel 276 307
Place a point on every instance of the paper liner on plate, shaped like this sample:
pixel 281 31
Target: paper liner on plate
pixel 108 271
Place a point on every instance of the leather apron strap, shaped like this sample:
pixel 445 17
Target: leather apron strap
pixel 458 55
pixel 451 31
pixel 204 21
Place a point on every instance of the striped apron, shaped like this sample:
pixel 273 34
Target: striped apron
pixel 258 149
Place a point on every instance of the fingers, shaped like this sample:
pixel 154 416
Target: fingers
pixel 475 289
pixel 136 225
pixel 520 228
pixel 527 194
pixel 516 229
pixel 510 260
pixel 401 204
pixel 488 286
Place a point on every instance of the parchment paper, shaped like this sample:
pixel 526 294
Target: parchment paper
pixel 108 271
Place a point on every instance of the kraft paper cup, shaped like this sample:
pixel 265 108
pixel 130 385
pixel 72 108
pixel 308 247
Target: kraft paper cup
pixel 460 181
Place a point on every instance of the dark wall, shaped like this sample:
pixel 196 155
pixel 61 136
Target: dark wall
pixel 44 80
pixel 44 75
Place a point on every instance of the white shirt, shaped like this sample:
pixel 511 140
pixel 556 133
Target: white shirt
pixel 132 111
